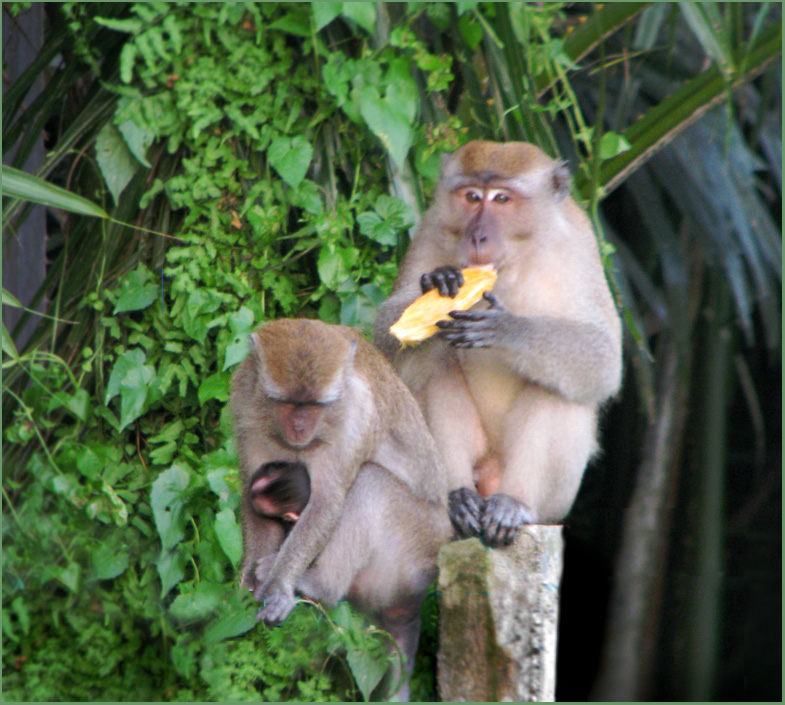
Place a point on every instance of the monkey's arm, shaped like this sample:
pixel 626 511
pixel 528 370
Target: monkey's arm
pixel 580 361
pixel 303 544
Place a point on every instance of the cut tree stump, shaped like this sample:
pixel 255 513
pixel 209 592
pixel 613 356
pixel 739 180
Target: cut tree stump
pixel 498 618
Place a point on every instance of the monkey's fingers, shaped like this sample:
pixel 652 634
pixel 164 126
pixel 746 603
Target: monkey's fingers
pixel 464 334
pixel 448 280
pixel 465 508
pixel 501 518
pixel 277 608
pixel 496 305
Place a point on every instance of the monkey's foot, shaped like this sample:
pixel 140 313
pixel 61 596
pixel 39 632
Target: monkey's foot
pixel 466 507
pixel 277 608
pixel 501 518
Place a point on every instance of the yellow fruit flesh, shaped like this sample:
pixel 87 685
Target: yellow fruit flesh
pixel 418 321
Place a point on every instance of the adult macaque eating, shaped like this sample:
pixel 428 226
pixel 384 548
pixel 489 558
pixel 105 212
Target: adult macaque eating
pixel 510 389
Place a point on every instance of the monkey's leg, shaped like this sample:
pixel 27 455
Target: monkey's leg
pixel 547 444
pixel 262 537
pixel 459 435
pixel 402 621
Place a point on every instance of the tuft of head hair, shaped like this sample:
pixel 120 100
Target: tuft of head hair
pixel 521 163
pixel 303 360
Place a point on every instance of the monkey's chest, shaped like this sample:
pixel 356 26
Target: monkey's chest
pixel 493 388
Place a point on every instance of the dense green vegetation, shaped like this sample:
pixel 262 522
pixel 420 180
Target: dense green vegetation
pixel 249 161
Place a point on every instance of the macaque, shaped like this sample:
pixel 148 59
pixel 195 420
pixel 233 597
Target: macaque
pixel 321 396
pixel 280 490
pixel 510 389
pixel 381 555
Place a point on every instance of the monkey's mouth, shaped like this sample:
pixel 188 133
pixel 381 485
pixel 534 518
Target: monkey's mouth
pixel 307 444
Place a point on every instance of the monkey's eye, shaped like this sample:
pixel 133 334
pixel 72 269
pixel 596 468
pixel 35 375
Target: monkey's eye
pixel 473 197
pixel 501 198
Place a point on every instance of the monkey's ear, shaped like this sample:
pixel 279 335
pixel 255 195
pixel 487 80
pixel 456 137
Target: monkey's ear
pixel 256 349
pixel 561 180
pixel 351 355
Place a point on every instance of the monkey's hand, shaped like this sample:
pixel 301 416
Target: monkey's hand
pixel 501 518
pixel 277 603
pixel 446 279
pixel 466 507
pixel 478 329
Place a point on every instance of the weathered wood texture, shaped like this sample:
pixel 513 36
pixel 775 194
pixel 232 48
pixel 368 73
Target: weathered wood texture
pixel 498 618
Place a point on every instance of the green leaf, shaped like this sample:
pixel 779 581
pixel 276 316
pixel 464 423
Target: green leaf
pixel 324 13
pixel 130 379
pixel 88 462
pixel 109 561
pixel 308 197
pixel 470 30
pixel 137 291
pixel 229 535
pixel 18 184
pixel 170 432
pixel 168 500
pixel 203 601
pixel 8 628
pixel 387 121
pixel 290 158
pixel 171 569
pixel 137 139
pixel 238 619
pixel 359 309
pixel 367 668
pixel 363 13
pixel 8 344
pixel 122 366
pixel 70 576
pixel 78 403
pixel 215 387
pixel 335 264
pixel 131 26
pixel 241 324
pixel 10 300
pixel 612 144
pixel 20 609
pixel 296 22
pixel 115 160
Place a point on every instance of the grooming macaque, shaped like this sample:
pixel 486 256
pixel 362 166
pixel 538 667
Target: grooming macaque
pixel 321 396
pixel 510 389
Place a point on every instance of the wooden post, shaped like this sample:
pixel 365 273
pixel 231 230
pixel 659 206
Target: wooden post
pixel 498 618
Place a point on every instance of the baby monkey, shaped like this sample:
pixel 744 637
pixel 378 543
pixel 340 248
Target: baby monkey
pixel 280 490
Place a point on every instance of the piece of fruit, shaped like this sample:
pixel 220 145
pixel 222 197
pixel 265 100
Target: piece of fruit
pixel 418 321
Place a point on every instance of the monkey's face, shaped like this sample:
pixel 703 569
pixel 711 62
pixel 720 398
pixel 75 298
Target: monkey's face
pixel 486 212
pixel 298 423
pixel 494 196
pixel 301 369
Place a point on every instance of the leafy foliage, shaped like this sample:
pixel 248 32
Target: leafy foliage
pixel 260 160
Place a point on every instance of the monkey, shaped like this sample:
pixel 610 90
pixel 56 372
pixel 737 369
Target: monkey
pixel 374 557
pixel 280 490
pixel 323 396
pixel 510 389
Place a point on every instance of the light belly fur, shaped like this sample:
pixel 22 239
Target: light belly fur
pixel 494 389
